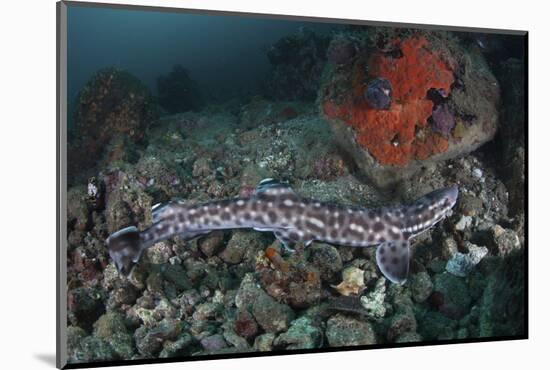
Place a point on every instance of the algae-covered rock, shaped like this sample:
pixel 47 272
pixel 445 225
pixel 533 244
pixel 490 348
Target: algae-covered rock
pixel 435 86
pixel 245 325
pixel 127 203
pixel 347 331
pixel 272 316
pixel 326 259
pixel 434 325
pixel 264 342
pixel 302 334
pixel 93 349
pixel 502 311
pixel 85 305
pixel 297 61
pixel 213 343
pixel 109 324
pixel 421 286
pixel 462 264
pixel 122 344
pixel 178 347
pixel 74 336
pixel 149 340
pixel 212 243
pixel 240 244
pixel 113 105
pixel 401 323
pixel 374 301
pixel 455 294
pixel 78 214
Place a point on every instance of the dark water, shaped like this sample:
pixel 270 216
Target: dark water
pixel 199 108
pixel 226 55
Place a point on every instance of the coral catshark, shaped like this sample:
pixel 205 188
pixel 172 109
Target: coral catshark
pixel 275 207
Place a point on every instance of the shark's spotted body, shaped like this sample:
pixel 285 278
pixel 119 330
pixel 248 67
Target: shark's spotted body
pixel 277 208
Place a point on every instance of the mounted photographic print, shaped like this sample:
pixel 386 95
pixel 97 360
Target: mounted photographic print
pixel 236 184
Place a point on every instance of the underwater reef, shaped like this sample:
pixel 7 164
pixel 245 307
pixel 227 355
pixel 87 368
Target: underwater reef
pixel 297 63
pixel 112 114
pixel 237 291
pixel 178 92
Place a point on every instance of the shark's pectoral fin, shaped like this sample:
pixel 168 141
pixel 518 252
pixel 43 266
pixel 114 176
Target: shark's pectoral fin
pixel 288 243
pixel 393 260
pixel 192 234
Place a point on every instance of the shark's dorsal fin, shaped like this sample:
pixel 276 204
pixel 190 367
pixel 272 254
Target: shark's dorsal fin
pixel 393 260
pixel 272 186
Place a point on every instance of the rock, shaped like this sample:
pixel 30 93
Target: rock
pixel 502 309
pixel 149 341
pixel 302 334
pixel 93 349
pixel 248 292
pixel 462 264
pixel 477 173
pixel 207 311
pixel 213 343
pixel 512 133
pixel 297 62
pixel 188 300
pixel 433 325
pixel 455 298
pixel 326 259
pixel 126 202
pixel 272 316
pixel 201 167
pixel 155 283
pixel 178 347
pixel 232 338
pixel 78 214
pixel 159 253
pixel 421 286
pixel 409 337
pixel 341 50
pixel 74 336
pixel 401 323
pixel 373 302
pixel 264 342
pixel 449 248
pixel 437 265
pixel 240 244
pixel 146 345
pixel 352 281
pixel 430 64
pixel 346 331
pixel 85 306
pixel 464 223
pixel 506 240
pixel 177 276
pixel 269 314
pixel 289 280
pixel 123 345
pixel 212 243
pixel 470 206
pixel 245 325
pixel 97 124
pixel 109 324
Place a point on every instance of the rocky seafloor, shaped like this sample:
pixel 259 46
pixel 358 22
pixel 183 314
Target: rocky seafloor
pixel 237 291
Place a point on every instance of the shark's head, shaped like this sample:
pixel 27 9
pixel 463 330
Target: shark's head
pixel 125 248
pixel 431 208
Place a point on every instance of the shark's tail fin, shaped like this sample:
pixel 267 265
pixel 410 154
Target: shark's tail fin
pixel 125 248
